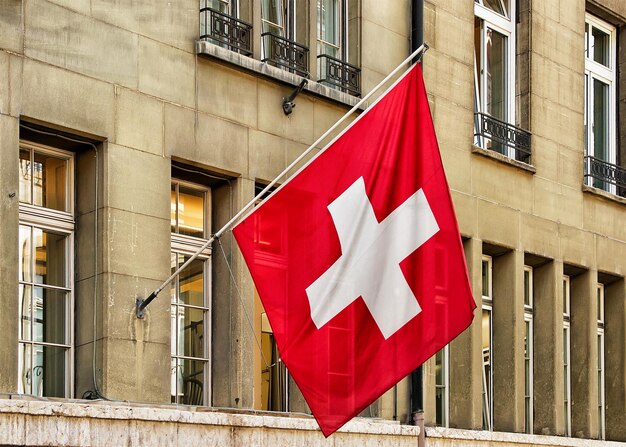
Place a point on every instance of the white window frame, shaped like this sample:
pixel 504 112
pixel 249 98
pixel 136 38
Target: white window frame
pixel 487 304
pixel 342 30
pixel 505 26
pixel 528 322
pixel 445 356
pixel 60 222
pixel 596 71
pixel 567 358
pixel 187 246
pixel 601 364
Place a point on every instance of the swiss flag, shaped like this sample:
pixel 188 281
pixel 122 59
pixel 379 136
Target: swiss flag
pixel 358 259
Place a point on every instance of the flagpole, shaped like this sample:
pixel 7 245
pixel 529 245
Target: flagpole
pixel 141 304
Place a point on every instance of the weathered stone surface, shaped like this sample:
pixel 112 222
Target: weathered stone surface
pixel 68 39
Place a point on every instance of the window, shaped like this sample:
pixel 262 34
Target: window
pixel 494 75
pixel 600 337
pixel 487 342
pixel 274 374
pixel 528 349
pixel 190 295
pixel 330 27
pixel 567 374
pixel 600 103
pixel 442 388
pixel 46 291
pixel 280 27
pixel 333 68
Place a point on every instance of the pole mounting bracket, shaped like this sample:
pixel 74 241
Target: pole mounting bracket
pixel 288 103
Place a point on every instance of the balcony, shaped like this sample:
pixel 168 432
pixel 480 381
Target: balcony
pixel 502 137
pixel 285 54
pixel 225 31
pixel 339 74
pixel 606 176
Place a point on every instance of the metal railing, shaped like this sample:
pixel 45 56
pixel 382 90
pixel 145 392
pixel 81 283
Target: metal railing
pixel 500 136
pixel 285 53
pixel 604 175
pixel 339 74
pixel 224 30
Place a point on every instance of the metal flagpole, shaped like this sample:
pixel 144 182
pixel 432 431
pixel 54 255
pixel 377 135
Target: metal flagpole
pixel 142 304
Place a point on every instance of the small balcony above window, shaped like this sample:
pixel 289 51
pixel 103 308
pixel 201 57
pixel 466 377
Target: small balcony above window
pixel 339 74
pixel 226 31
pixel 502 137
pixel 606 176
pixel 284 53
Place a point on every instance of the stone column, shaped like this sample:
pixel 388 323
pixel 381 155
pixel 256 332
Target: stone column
pixel 134 221
pixel 615 359
pixel 235 355
pixel 508 342
pixel 548 380
pixel 584 355
pixel 466 354
pixel 9 221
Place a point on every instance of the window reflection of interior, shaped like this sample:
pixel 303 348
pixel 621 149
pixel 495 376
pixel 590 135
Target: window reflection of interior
pixel 43 180
pixel 189 312
pixel 499 6
pixel 188 210
pixel 487 334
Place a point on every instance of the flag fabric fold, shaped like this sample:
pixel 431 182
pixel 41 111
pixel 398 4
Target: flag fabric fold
pixel 358 259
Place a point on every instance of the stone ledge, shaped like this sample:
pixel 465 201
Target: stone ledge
pixel 64 423
pixel 465 437
pixel 604 194
pixel 208 49
pixel 503 159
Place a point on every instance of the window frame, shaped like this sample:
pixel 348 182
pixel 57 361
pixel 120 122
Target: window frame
pixel 529 353
pixel 601 363
pixel 487 305
pixel 445 386
pixel 607 75
pixel 567 357
pixel 61 223
pixel 184 245
pixel 505 26
pixel 342 30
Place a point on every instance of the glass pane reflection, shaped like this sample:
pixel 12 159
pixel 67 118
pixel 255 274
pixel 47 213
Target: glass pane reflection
pixel 25 177
pixel 190 212
pixel 50 182
pixel 24 301
pixel 49 258
pixel 192 333
pixel 601 45
pixel 25 265
pixel 50 316
pixel 24 362
pixel 191 283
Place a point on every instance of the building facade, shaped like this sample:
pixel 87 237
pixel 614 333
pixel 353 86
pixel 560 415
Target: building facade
pixel 130 132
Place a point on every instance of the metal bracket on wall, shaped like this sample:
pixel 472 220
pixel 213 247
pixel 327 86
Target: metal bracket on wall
pixel 288 103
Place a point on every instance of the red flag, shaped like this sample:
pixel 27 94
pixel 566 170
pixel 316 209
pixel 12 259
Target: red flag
pixel 358 259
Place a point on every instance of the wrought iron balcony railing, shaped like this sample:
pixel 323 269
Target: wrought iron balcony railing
pixel 604 175
pixel 339 74
pixel 226 31
pixel 500 136
pixel 285 53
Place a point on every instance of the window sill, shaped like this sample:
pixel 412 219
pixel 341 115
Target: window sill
pixel 604 194
pixel 503 159
pixel 208 49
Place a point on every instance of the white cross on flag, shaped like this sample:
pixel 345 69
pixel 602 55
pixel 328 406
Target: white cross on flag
pixel 358 259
